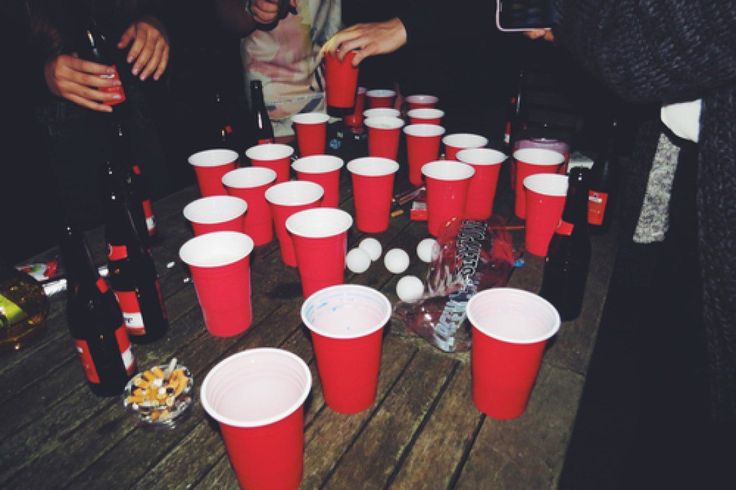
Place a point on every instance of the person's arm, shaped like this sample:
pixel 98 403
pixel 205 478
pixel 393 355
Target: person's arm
pixel 234 15
pixel 653 50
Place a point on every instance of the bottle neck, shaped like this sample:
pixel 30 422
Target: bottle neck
pixel 77 259
pixel 576 203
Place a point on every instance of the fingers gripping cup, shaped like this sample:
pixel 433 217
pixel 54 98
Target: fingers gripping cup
pixel 425 116
pixel 422 146
pixel 311 132
pixel 250 184
pixel 257 397
pixel 530 161
pixel 320 238
pixel 510 329
pixel 286 199
pixel 341 78
pixel 220 266
pixel 216 213
pixel 421 101
pixel 323 170
pixel 461 141
pixel 482 187
pixel 346 324
pixel 383 136
pixel 373 186
pixel 545 200
pixel 275 156
pixel 210 166
pixel 380 98
pixel 447 187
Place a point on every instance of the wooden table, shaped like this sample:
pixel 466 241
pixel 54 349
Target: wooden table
pixel 422 432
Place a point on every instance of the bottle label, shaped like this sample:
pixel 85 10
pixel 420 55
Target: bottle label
pixel 11 311
pixel 564 228
pixel 114 90
pixel 597 207
pixel 150 219
pixel 101 285
pixel 136 169
pixel 126 351
pixel 90 371
pixel 263 141
pixel 131 308
pixel 116 252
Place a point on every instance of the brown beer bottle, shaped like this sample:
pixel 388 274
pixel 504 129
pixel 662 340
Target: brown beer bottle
pixel 261 127
pixel 95 321
pixel 93 46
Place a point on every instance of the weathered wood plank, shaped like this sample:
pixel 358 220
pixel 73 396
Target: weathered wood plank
pixel 372 458
pixel 530 450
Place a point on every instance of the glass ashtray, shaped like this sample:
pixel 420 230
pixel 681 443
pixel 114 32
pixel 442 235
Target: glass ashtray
pixel 160 395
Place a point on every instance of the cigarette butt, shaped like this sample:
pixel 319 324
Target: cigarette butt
pixel 135 399
pixel 158 372
pixel 139 392
pixel 396 213
pixel 141 383
pixel 148 376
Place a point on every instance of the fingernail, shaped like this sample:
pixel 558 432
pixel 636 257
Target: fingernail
pixel 110 69
pixel 116 96
pixel 143 77
pixel 135 71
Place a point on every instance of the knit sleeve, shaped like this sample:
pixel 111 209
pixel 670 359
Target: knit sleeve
pixel 653 50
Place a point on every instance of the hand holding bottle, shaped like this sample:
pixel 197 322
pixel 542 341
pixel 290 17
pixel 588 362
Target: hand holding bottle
pixel 149 50
pixel 82 82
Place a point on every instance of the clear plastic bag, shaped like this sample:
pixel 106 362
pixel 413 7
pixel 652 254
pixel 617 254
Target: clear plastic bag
pixel 472 256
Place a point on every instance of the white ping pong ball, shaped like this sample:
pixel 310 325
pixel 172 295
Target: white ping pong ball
pixel 372 246
pixel 357 260
pixel 427 250
pixel 409 289
pixel 396 261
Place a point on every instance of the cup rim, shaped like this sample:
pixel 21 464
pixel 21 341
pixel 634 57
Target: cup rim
pixel 539 156
pixel 337 221
pixel 381 92
pixel 231 206
pixel 429 130
pixel 310 118
pixel 315 295
pixel 381 112
pixel 284 193
pixel 481 156
pixel 267 420
pixel 256 152
pixel 465 140
pixel 422 99
pixel 426 113
pixel 313 164
pixel 208 241
pixel 483 326
pixel 213 157
pixel 547 184
pixel 393 122
pixel 447 170
pixel 261 176
pixel 373 166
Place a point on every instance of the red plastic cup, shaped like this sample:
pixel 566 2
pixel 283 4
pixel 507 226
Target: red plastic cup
pixel 425 116
pixel 530 161
pixel 286 199
pixel 380 98
pixel 461 141
pixel 216 213
pixel 421 101
pixel 341 78
pixel 373 188
pixel 250 184
pixel 482 189
pixel 275 156
pixel 257 397
pixel 545 200
pixel 422 146
pixel 510 329
pixel 346 324
pixel 210 166
pixel 311 132
pixel 320 239
pixel 381 112
pixel 447 187
pixel 220 266
pixel 323 170
pixel 383 136
pixel 546 143
pixel 355 120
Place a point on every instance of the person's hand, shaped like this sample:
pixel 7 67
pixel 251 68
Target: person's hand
pixel 267 11
pixel 367 39
pixel 82 82
pixel 545 34
pixel 150 49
